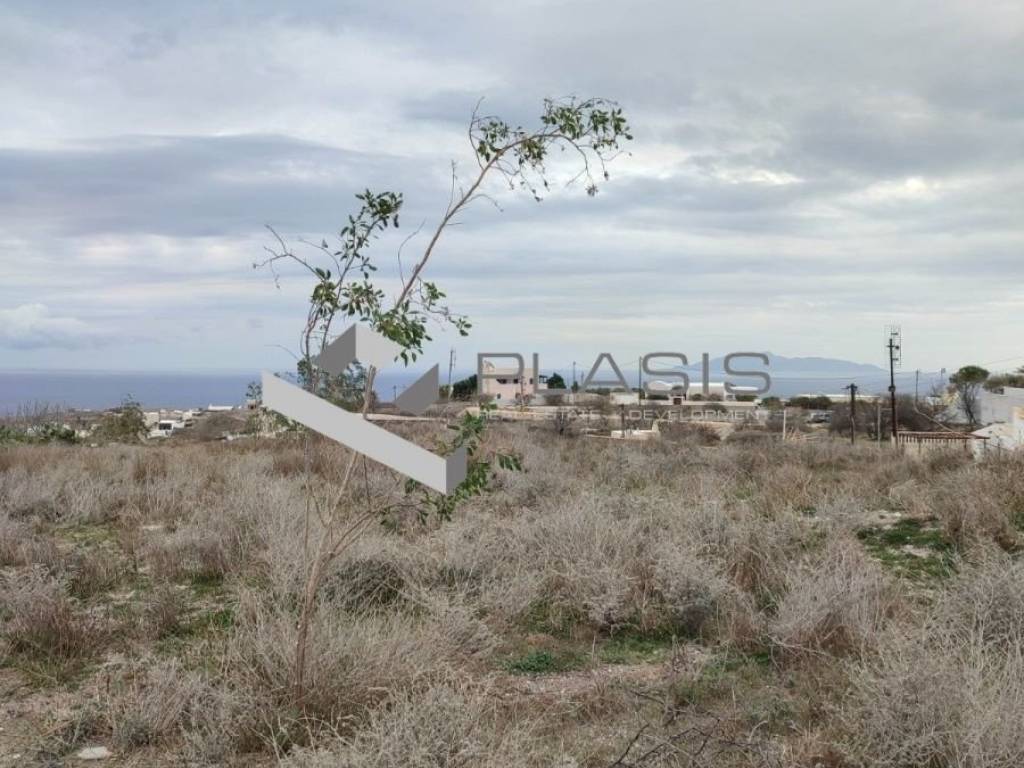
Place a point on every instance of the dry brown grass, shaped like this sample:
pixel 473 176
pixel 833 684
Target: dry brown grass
pixel 450 723
pixel 93 573
pixel 148 704
pixel 948 691
pixel 21 546
pixel 163 611
pixel 41 623
pixel 837 604
pixel 597 571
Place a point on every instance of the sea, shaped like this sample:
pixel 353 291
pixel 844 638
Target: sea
pixel 98 390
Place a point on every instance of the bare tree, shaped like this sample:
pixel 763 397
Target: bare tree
pixel 589 132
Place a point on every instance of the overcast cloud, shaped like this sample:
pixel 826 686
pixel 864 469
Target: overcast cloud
pixel 802 174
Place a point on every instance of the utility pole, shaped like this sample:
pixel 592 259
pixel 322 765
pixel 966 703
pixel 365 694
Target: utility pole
pixel 878 420
pixel 574 382
pixel 917 383
pixel 451 364
pixel 853 413
pixel 783 423
pixel 639 380
pixel 894 357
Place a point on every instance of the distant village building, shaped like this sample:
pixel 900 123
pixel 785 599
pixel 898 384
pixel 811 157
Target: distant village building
pixel 716 391
pixel 843 398
pixel 509 385
pixel 164 423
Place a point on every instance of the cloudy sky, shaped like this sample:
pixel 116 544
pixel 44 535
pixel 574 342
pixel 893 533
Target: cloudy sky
pixel 802 174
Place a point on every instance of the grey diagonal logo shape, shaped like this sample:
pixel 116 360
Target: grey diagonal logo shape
pixel 418 396
pixel 440 473
pixel 358 342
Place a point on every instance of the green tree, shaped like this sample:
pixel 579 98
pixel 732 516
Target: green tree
pixel 810 402
pixel 345 390
pixel 345 290
pixel 966 384
pixel 464 389
pixel 124 424
pixel 997 381
pixel 555 381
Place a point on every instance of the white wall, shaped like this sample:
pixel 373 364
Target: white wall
pixel 995 407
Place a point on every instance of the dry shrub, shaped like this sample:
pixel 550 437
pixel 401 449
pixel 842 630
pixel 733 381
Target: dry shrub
pixel 148 465
pixel 94 573
pixel 757 552
pixel 946 460
pixel 206 552
pixel 20 545
pixel 688 433
pixel 353 662
pixel 7 459
pixel 42 622
pixel 751 438
pixel 448 724
pixel 25 494
pixel 602 562
pixel 56 485
pixel 162 703
pixel 976 506
pixel 325 458
pixel 129 537
pixel 466 636
pixel 148 704
pixel 578 566
pixel 836 605
pixel 30 458
pixel 222 726
pixel 951 690
pixel 163 610
pixel 364 583
pixel 699 600
pixel 786 487
pixel 988 600
pixel 938 701
pixel 289 463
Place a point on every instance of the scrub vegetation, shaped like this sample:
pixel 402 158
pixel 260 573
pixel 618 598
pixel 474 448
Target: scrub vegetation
pixel 613 604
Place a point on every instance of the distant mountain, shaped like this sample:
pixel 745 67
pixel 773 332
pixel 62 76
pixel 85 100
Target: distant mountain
pixel 809 367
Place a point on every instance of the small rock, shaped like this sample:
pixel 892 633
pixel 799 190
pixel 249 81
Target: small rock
pixel 94 753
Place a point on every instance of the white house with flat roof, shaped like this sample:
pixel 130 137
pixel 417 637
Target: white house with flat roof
pixel 1001 436
pixel 508 386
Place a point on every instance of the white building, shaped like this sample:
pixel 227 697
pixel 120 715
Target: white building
pixel 1001 437
pixel 509 385
pixel 999 406
pixel 716 391
pixel 166 427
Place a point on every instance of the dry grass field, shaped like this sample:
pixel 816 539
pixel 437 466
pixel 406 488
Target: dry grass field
pixel 660 604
